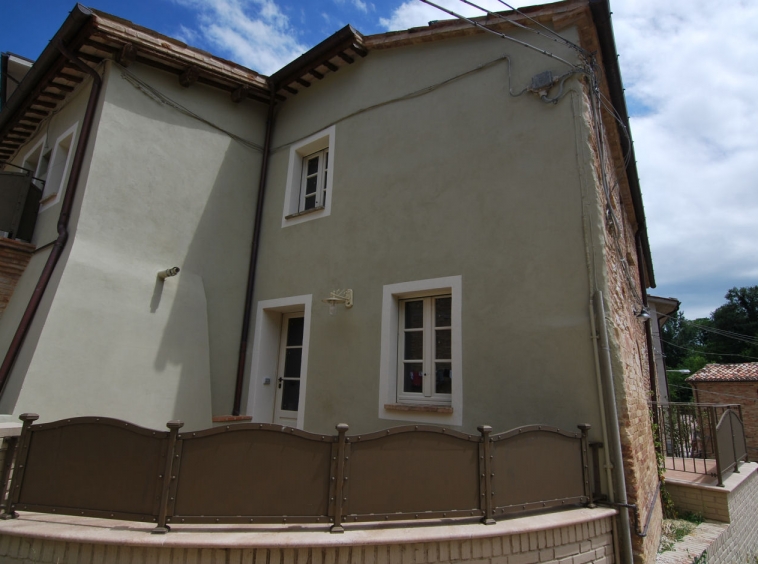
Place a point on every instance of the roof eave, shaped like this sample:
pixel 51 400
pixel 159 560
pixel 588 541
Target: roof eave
pixel 601 14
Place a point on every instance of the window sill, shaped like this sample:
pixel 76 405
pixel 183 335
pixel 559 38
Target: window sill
pixel 304 212
pixel 47 199
pixel 420 407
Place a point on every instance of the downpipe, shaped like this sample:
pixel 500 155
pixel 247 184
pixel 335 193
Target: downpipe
pixel 625 534
pixel 68 202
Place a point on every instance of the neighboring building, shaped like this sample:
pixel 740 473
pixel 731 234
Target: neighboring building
pixel 661 310
pixel 732 383
pixel 479 200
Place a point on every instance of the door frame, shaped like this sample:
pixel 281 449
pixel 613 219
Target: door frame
pixel 265 356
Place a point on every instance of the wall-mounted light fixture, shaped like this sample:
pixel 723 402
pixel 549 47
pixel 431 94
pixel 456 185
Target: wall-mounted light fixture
pixel 339 297
pixel 642 314
pixel 173 271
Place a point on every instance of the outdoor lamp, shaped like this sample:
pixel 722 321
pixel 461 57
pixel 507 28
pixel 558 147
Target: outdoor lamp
pixel 642 314
pixel 337 297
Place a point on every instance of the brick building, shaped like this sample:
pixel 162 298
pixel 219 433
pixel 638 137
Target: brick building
pixel 732 383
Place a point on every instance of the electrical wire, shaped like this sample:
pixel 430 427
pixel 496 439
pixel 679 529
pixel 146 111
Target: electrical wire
pixel 157 96
pixel 707 353
pixel 714 393
pixel 722 332
pixel 502 35
pixel 414 94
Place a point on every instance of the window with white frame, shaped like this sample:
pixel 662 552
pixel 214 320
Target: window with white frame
pixel 420 369
pixel 309 178
pixel 58 168
pixel 425 350
pixel 37 161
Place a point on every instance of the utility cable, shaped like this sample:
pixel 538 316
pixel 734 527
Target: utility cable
pixel 415 94
pixel 707 353
pixel 722 332
pixel 714 393
pixel 157 96
pixel 502 35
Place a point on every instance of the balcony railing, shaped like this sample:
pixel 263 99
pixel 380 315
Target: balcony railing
pixel 703 438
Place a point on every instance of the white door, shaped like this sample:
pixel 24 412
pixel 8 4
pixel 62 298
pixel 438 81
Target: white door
pixel 288 371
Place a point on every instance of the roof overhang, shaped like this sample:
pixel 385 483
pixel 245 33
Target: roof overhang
pixel 94 37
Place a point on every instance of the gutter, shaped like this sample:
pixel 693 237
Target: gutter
pixel 601 14
pixel 57 44
pixel 253 257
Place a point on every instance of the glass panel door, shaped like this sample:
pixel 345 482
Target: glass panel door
pixel 288 372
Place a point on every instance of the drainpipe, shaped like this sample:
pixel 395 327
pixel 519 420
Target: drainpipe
pixel 66 207
pixel 253 258
pixel 625 533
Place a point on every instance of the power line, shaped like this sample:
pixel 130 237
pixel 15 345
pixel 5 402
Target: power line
pixel 710 392
pixel 722 332
pixel 707 353
pixel 502 35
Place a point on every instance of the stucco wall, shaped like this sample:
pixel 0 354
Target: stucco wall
pixel 463 181
pixel 161 190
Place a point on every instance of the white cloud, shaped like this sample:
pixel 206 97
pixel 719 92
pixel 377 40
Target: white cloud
pixel 254 33
pixel 692 65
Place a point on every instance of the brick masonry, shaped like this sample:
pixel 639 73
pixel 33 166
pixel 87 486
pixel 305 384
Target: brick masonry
pixel 623 293
pixel 587 542
pixel 14 257
pixel 744 393
pixel 735 539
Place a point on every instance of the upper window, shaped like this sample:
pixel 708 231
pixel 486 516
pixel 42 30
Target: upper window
pixel 309 178
pixel 58 168
pixel 420 368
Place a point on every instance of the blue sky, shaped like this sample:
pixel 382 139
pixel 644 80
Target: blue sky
pixel 688 67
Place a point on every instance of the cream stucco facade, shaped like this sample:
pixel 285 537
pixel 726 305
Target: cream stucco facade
pixel 434 174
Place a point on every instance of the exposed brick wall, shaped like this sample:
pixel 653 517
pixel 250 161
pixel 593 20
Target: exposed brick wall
pixel 744 393
pixel 589 542
pixel 627 339
pixel 14 257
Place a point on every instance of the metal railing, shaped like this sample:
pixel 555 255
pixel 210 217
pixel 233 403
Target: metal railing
pixel 703 438
pixel 259 473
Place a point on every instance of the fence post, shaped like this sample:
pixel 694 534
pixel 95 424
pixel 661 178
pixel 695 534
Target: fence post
pixel 167 476
pixel 5 495
pixel 23 454
pixel 734 446
pixel 339 479
pixel 716 449
pixel 584 428
pixel 486 475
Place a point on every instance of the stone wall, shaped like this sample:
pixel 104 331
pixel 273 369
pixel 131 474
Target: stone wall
pixel 623 294
pixel 590 541
pixel 744 393
pixel 14 257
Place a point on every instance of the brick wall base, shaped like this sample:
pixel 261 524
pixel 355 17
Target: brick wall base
pixel 587 540
pixel 735 504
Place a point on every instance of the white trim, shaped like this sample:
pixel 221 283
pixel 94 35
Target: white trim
pixel 70 132
pixel 388 361
pixel 316 142
pixel 268 321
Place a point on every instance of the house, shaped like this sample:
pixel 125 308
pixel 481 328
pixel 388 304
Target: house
pixel 734 384
pixel 463 196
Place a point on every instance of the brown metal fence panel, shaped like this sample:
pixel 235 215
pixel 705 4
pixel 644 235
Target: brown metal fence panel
pixel 411 472
pixel 725 447
pixel 535 467
pixel 258 473
pixel 91 466
pixel 738 437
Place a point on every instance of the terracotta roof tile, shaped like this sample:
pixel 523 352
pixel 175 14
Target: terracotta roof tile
pixel 745 372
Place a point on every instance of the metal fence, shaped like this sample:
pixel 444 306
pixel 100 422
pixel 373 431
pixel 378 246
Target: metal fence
pixel 258 473
pixel 702 438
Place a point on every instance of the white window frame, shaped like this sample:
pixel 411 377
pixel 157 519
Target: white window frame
pixel 390 360
pixel 268 329
pixel 39 146
pixel 294 213
pixel 54 185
